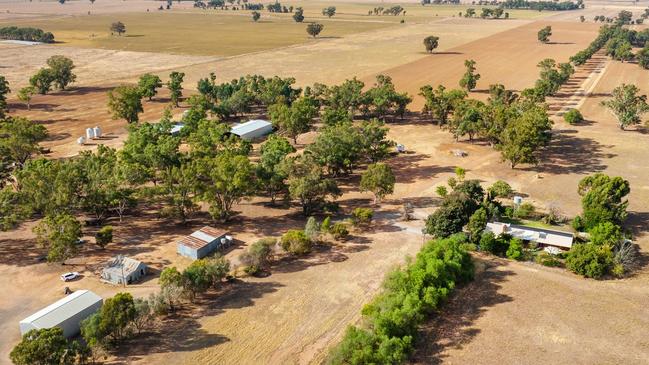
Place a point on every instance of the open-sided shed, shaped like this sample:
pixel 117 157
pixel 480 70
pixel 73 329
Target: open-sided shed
pixel 66 313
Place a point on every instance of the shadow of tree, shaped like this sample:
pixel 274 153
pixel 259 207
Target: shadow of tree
pixel 569 154
pixel 407 169
pixel 181 331
pixel 453 327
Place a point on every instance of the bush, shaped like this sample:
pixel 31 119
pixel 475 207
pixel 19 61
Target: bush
pixel 326 225
pixel 525 210
pixel 296 242
pixel 312 229
pixel 104 236
pixel 590 260
pixel 547 259
pixel 495 245
pixel 500 189
pixel 257 257
pixel 339 231
pixel 410 294
pixel 362 216
pixel 515 250
pixel 573 116
pixel 606 233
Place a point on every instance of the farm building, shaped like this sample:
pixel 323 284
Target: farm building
pixel 66 313
pixel 543 237
pixel 122 269
pixel 202 242
pixel 252 129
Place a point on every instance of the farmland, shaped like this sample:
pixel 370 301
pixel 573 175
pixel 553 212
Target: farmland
pixel 301 309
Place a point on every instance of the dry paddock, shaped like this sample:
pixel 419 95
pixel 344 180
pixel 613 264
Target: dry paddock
pixel 515 313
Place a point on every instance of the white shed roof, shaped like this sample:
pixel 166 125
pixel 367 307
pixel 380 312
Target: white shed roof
pixel 65 308
pixel 249 126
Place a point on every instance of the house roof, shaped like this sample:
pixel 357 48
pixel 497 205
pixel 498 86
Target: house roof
pixel 59 311
pixel 250 126
pixel 539 235
pixel 202 237
pixel 122 264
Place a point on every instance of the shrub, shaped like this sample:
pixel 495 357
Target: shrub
pixel 312 229
pixel 442 191
pixel 339 231
pixel 257 256
pixel 515 250
pixel 326 225
pixel 296 242
pixel 573 116
pixel 525 210
pixel 606 233
pixel 547 259
pixel 625 254
pixel 362 216
pixel 104 236
pixel 590 260
pixel 495 245
pixel 500 189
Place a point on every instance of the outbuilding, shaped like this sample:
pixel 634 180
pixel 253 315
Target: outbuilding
pixel 252 129
pixel 542 237
pixel 67 313
pixel 203 242
pixel 123 270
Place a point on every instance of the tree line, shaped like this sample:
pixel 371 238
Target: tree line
pixel 26 34
pixel 410 293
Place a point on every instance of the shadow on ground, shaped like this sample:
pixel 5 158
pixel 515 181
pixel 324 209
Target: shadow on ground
pixel 453 327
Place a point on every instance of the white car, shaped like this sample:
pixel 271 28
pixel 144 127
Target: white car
pixel 69 276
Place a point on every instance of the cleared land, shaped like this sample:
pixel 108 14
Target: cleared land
pixel 514 313
pixel 69 113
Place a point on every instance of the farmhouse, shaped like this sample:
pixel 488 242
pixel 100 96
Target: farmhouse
pixel 252 129
pixel 543 237
pixel 66 313
pixel 123 270
pixel 202 242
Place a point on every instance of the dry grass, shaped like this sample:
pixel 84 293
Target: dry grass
pixel 514 313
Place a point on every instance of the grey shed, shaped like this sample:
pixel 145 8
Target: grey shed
pixel 66 313
pixel 123 270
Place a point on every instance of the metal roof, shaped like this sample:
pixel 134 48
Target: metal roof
pixel 122 264
pixel 65 308
pixel 249 126
pixel 539 235
pixel 202 237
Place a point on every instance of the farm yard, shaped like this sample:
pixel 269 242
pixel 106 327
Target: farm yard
pixel 301 307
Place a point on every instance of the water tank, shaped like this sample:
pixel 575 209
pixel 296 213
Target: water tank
pixel 97 132
pixel 81 140
pixel 518 200
pixel 90 133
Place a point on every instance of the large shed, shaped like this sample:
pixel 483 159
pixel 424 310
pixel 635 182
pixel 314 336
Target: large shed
pixel 202 242
pixel 543 237
pixel 252 129
pixel 123 270
pixel 66 313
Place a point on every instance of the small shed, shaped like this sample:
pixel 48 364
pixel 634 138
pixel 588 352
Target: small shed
pixel 203 242
pixel 252 129
pixel 123 270
pixel 66 313
pixel 543 237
